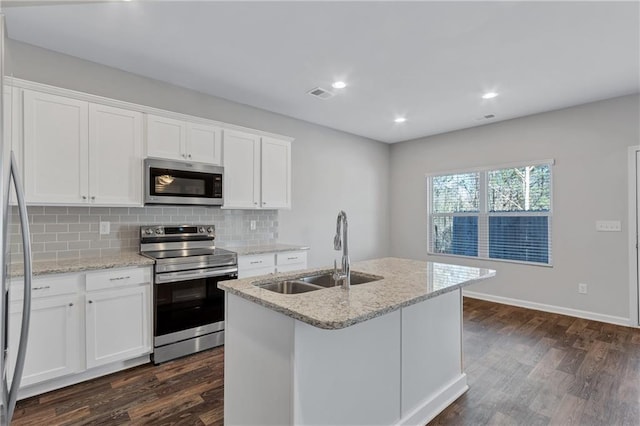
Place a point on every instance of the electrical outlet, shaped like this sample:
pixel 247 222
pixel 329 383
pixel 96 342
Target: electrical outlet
pixel 105 228
pixel 608 226
pixel 253 225
pixel 582 288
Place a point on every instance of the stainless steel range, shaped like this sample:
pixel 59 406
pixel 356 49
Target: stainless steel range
pixel 188 306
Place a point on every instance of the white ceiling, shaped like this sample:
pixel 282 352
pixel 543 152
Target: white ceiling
pixel 428 61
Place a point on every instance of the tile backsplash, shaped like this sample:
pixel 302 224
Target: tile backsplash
pixel 74 232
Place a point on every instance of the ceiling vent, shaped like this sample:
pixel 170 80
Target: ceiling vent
pixel 321 93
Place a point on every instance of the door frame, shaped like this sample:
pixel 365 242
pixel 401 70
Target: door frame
pixel 633 167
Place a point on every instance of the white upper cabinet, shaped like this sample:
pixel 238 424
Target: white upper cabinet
pixel 166 138
pixel 115 155
pixel 276 174
pixel 257 171
pixel 204 143
pixel 56 140
pixel 181 140
pixel 76 152
pixel 241 170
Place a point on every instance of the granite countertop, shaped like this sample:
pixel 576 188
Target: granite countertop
pixel 267 248
pixel 404 282
pixel 43 267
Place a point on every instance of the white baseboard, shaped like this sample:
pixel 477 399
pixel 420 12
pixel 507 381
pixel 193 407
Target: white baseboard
pixel 433 406
pixel 551 308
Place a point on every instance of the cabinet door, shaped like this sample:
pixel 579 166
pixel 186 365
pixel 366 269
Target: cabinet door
pixel 55 149
pixel 276 174
pixel 115 156
pixel 166 138
pixel 117 325
pixel 53 347
pixel 241 170
pixel 204 143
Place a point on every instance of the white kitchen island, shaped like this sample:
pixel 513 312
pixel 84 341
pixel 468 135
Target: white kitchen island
pixel 386 352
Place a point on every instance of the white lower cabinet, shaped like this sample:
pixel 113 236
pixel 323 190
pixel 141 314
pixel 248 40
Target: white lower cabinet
pixel 256 264
pixel 54 338
pixel 291 261
pixel 269 263
pixel 65 339
pixel 117 325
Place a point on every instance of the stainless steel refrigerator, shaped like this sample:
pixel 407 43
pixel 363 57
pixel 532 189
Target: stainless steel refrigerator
pixel 10 180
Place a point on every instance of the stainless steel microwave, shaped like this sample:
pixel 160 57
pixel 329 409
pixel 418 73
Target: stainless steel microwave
pixel 181 182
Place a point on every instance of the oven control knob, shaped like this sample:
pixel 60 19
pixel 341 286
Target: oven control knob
pixel 158 230
pixel 209 229
pixel 201 230
pixel 149 231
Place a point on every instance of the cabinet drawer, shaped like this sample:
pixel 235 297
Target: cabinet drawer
pixel 289 258
pixel 292 267
pixel 46 286
pixel 256 261
pixel 118 278
pixel 246 273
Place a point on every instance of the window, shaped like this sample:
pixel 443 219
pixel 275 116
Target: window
pixel 500 213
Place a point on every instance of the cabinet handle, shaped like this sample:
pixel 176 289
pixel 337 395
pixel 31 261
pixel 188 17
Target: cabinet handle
pixel 93 198
pixel 254 262
pixel 70 304
pixel 90 301
pixel 291 258
pixel 44 287
pixel 119 278
pixel 264 204
pixel 84 197
pixel 255 203
pixel 189 156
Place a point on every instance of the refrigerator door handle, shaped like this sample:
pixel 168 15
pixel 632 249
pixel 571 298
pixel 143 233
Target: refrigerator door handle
pixel 26 306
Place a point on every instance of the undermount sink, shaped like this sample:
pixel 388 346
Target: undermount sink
pixel 290 287
pixel 313 282
pixel 326 279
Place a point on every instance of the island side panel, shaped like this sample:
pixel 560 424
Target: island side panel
pixel 432 375
pixel 258 364
pixel 349 376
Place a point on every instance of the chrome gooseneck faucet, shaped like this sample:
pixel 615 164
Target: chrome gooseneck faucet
pixel 342 242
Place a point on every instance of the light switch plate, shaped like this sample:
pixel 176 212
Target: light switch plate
pixel 608 226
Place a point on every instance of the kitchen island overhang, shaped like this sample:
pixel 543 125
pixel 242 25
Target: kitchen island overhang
pixel 384 352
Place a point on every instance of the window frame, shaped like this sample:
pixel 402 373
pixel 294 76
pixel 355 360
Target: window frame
pixel 484 214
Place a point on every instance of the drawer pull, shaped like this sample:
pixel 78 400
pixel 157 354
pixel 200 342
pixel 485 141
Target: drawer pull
pixel 70 304
pixel 119 278
pixel 292 258
pixel 44 287
pixel 90 301
pixel 255 261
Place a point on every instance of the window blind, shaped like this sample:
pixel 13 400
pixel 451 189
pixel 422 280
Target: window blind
pixel 502 213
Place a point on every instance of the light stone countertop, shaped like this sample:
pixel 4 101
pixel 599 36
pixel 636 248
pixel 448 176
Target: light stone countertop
pixel 43 267
pixel 262 249
pixel 404 282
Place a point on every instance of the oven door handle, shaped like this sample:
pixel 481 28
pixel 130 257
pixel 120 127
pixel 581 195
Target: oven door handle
pixel 200 273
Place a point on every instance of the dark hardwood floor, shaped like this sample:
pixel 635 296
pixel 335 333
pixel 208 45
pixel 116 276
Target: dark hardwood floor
pixel 523 366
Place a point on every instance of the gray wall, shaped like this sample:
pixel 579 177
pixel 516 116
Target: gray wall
pixel 589 144
pixel 331 170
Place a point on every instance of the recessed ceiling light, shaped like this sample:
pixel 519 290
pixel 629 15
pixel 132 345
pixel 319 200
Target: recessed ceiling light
pixel 489 95
pixel 400 120
pixel 339 85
